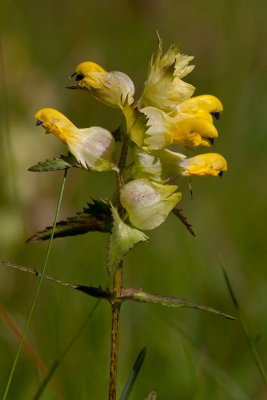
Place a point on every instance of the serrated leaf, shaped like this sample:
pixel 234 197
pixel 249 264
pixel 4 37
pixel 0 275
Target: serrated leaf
pixel 93 291
pixel 121 240
pixel 56 164
pixel 96 217
pixel 179 213
pixel 167 301
pixel 133 375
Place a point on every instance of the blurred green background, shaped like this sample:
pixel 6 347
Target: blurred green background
pixel 42 42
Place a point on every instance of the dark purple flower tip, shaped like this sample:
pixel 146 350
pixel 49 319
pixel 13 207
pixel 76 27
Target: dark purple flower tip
pixel 216 114
pixel 220 174
pixel 39 122
pixel 79 77
pixel 211 140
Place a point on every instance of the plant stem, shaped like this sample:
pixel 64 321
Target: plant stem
pixel 115 307
pixel 37 290
pixel 117 287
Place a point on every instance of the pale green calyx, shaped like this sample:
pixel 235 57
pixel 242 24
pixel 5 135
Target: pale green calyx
pixel 164 87
pixel 93 148
pixel 159 132
pixel 157 164
pixel 148 203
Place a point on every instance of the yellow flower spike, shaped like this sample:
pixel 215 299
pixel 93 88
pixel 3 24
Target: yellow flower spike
pixel 92 147
pixel 205 103
pixel 158 165
pixel 204 164
pixel 164 87
pixel 148 203
pixel 112 88
pixel 194 130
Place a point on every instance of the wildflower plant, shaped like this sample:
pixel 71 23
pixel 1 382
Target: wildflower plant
pixel 146 170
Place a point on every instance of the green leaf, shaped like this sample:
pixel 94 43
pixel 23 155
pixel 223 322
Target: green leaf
pixel 93 291
pixel 56 164
pixel 179 213
pixel 167 301
pixel 121 240
pixel 133 375
pixel 96 217
pixel 152 396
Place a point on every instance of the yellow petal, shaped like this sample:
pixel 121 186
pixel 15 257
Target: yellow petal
pixel 87 67
pixel 55 122
pixel 194 131
pixel 205 102
pixel 204 164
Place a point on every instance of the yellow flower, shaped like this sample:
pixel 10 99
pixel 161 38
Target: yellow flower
pixel 92 147
pixel 112 88
pixel 190 130
pixel 204 164
pixel 148 203
pixel 164 87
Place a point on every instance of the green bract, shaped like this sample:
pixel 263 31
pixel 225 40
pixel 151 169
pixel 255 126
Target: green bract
pixel 157 165
pixel 164 88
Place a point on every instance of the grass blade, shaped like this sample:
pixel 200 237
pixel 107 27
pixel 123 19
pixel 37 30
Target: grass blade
pixel 37 290
pixel 133 375
pixel 245 328
pixel 57 362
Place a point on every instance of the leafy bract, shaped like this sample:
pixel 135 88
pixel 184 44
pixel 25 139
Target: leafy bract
pixel 95 217
pixel 56 164
pixel 121 240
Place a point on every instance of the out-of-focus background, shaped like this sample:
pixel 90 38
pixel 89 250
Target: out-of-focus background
pixel 191 354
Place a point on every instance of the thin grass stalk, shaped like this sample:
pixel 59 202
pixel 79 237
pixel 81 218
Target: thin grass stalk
pixel 37 289
pixel 59 361
pixel 245 329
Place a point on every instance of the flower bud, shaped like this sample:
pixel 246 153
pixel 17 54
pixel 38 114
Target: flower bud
pixel 164 87
pixel 92 147
pixel 204 164
pixel 148 203
pixel 112 88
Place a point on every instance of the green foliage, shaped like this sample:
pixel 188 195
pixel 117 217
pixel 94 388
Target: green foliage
pixel 172 302
pixel 133 375
pixel 56 164
pixel 121 240
pixel 95 217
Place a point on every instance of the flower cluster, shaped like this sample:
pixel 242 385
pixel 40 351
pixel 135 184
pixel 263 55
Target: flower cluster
pixel 165 114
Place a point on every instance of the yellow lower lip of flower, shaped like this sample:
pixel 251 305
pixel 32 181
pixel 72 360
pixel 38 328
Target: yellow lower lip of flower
pixel 212 164
pixel 194 131
pixel 92 81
